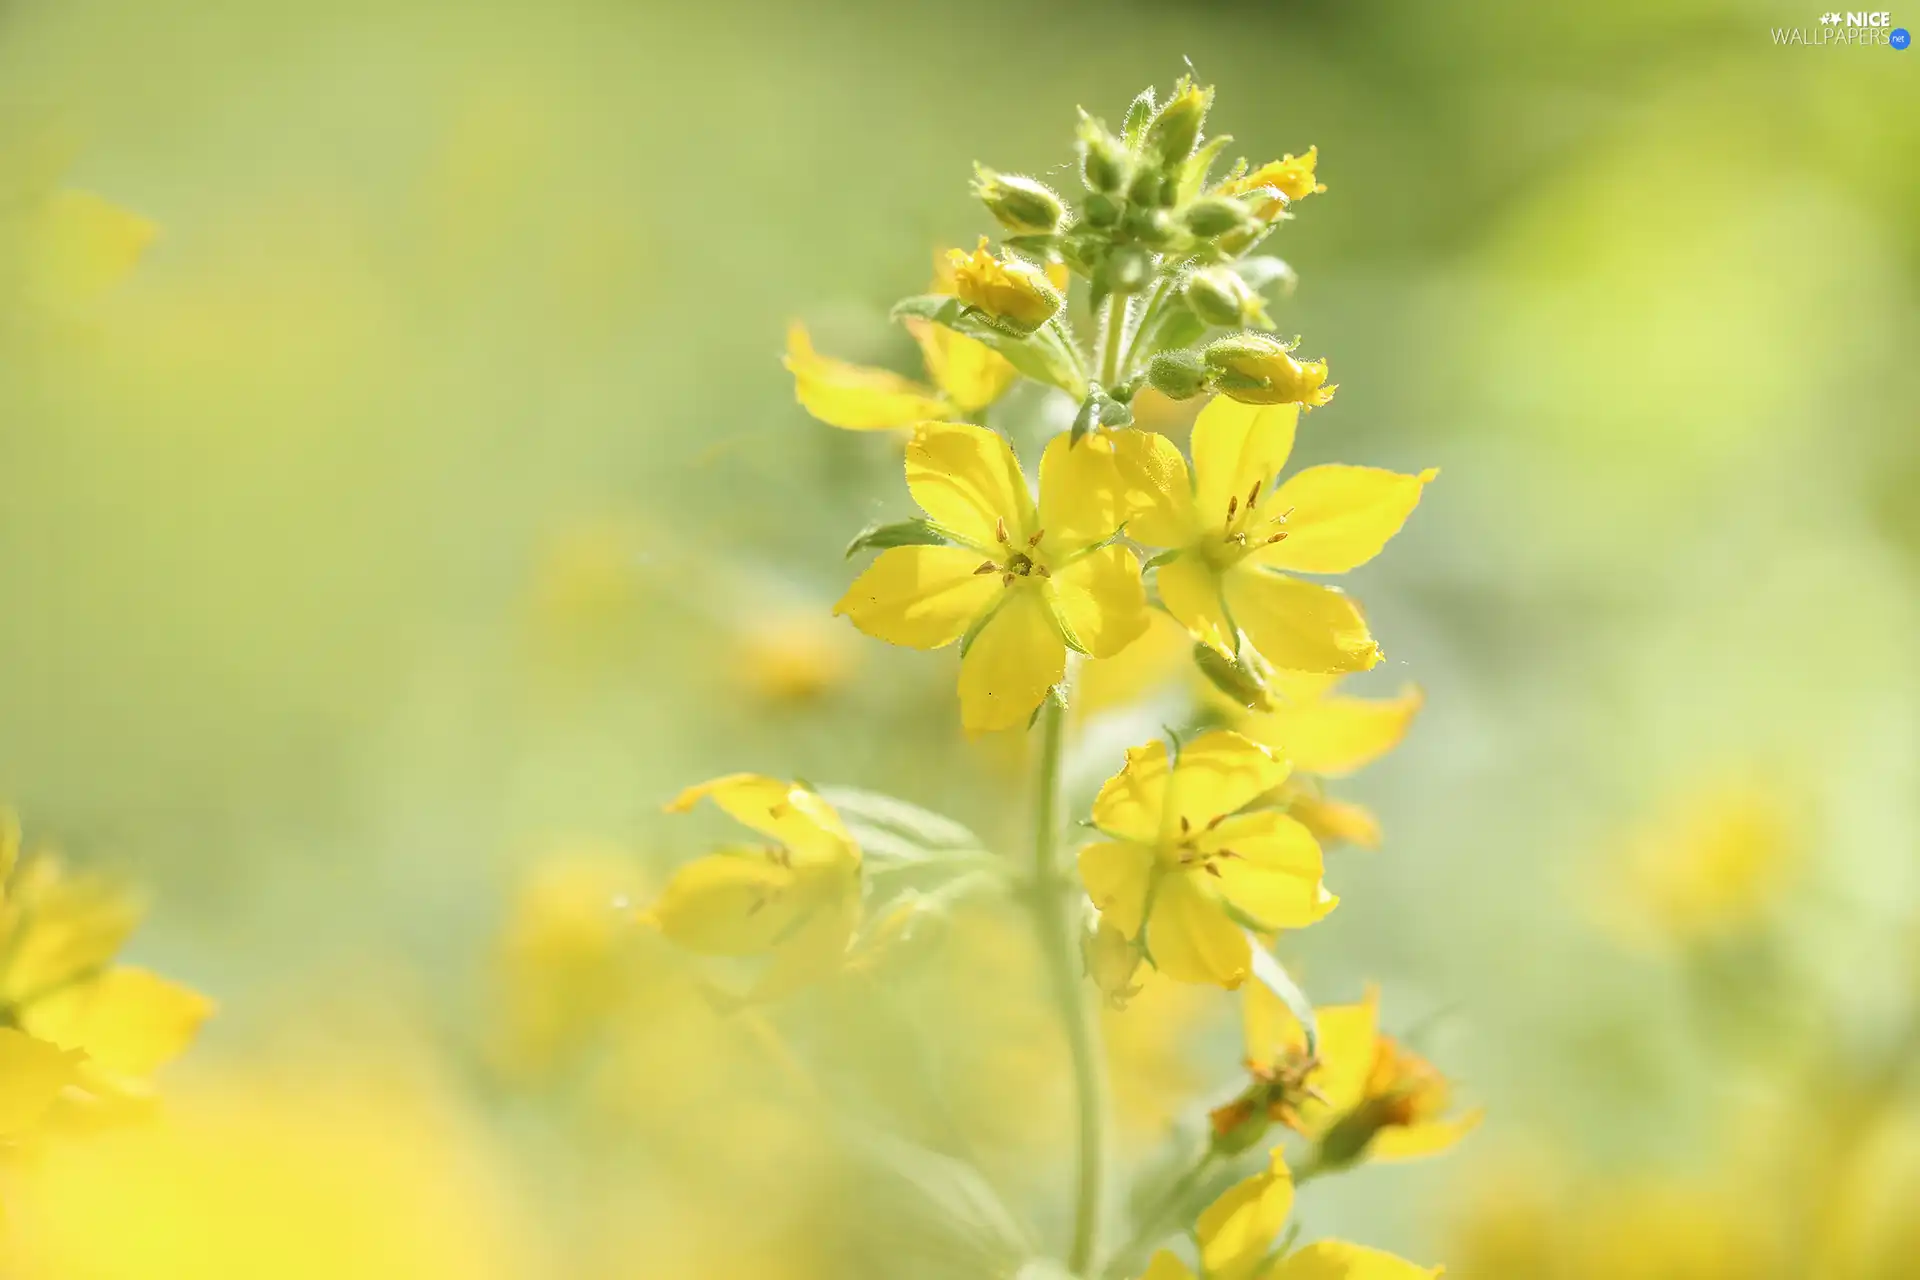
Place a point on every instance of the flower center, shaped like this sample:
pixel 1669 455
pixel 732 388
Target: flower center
pixel 1241 532
pixel 1013 563
pixel 1186 853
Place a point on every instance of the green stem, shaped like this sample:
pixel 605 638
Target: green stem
pixel 1113 332
pixel 1153 1228
pixel 1057 924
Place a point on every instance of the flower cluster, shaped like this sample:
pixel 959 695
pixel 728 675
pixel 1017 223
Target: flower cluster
pixel 1207 848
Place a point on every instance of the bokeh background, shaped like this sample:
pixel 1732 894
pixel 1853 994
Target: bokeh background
pixel 430 505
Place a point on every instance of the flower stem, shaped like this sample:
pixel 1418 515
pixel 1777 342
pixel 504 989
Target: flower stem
pixel 1154 1227
pixel 1057 926
pixel 1113 333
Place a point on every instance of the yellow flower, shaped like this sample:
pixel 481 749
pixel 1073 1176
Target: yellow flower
pixel 967 376
pixel 1025 585
pixel 1015 293
pixel 1185 872
pixel 58 935
pixel 791 655
pixel 1292 176
pixel 1236 1232
pixel 1713 865
pixel 1229 543
pixel 796 900
pixel 1331 735
pixel 1362 1095
pixel 1255 368
pixel 60 249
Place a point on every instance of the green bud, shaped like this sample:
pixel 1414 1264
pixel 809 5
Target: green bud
pixel 1154 228
pixel 1020 204
pixel 1176 127
pixel 1347 1141
pixel 1211 216
pixel 1139 112
pixel 1084 249
pixel 1220 297
pixel 1150 189
pixel 1233 677
pixel 1178 375
pixel 1101 211
pixel 1104 162
pixel 1127 269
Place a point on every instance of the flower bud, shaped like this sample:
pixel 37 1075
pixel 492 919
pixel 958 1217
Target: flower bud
pixel 1240 1124
pixel 1222 298
pixel 1021 205
pixel 1014 294
pixel 1211 216
pixel 1151 189
pixel 1176 127
pixel 1127 270
pixel 1347 1141
pixel 1102 211
pixel 1112 959
pixel 1104 161
pixel 1154 228
pixel 1256 369
pixel 1178 375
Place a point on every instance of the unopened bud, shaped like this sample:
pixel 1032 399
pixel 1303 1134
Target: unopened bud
pixel 1347 1141
pixel 1256 369
pixel 1154 228
pixel 1127 270
pixel 1151 189
pixel 1178 375
pixel 1176 127
pixel 1112 960
pixel 1222 298
pixel 1102 211
pixel 1020 204
pixel 1211 216
pixel 1104 161
pixel 1014 294
pixel 1239 1124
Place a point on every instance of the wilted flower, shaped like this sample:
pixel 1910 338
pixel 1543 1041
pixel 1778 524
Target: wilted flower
pixel 1016 294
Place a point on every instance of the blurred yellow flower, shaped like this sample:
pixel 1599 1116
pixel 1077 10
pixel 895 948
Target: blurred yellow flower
pixel 791 655
pixel 796 900
pixel 967 376
pixel 1363 1095
pixel 1161 654
pixel 250 1176
pixel 1227 543
pixel 1018 294
pixel 1022 586
pixel 60 249
pixel 59 933
pixel 1328 734
pixel 1713 865
pixel 1184 872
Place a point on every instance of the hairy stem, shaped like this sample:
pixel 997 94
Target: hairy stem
pixel 1057 925
pixel 1113 333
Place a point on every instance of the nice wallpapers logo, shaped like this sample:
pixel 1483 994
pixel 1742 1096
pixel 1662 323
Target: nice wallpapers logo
pixel 1847 30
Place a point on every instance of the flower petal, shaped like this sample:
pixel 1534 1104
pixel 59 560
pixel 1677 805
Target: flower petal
pixel 1335 736
pixel 1080 498
pixel 1132 803
pixel 968 480
pixel 1236 1230
pixel 1275 873
pixel 731 904
pixel 1218 773
pixel 128 1021
pixel 1117 874
pixel 920 597
pixel 1417 1141
pixel 1349 1039
pixel 853 396
pixel 1335 821
pixel 817 945
pixel 790 814
pixel 1338 1260
pixel 1011 664
pixel 1270 1030
pixel 32 1074
pixel 972 374
pixel 1099 600
pixel 1191 938
pixel 1339 517
pixel 1236 447
pixel 1190 589
pixel 1299 625
pixel 1157 491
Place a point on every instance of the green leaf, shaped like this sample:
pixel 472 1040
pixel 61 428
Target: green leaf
pixel 928 1214
pixel 1165 557
pixel 916 532
pixel 1139 116
pixel 918 829
pixel 1193 174
pixel 943 308
pixel 1269 972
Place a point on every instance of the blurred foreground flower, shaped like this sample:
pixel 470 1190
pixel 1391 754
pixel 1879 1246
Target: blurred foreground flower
pixel 60 249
